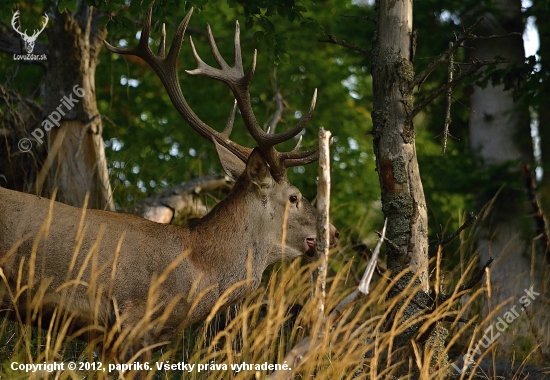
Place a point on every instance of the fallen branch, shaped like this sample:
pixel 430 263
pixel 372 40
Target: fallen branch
pixel 168 204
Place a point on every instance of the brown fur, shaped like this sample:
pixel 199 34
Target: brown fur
pixel 233 244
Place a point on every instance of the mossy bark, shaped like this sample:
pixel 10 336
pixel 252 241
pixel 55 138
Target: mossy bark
pixel 403 201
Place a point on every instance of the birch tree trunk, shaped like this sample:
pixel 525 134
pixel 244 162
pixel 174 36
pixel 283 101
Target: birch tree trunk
pixel 543 27
pixel 500 134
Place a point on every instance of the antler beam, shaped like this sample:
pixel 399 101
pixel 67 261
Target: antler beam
pixel 239 83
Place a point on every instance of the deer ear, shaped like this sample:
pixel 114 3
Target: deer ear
pixel 258 170
pixel 232 165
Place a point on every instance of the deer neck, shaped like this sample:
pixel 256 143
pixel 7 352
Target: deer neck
pixel 228 247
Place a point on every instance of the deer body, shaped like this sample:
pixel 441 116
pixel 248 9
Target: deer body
pixel 123 278
pixel 219 260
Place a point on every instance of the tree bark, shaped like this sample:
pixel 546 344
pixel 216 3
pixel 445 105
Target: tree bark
pixel 403 201
pixel 78 166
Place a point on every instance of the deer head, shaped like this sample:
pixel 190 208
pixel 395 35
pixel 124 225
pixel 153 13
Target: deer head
pixel 264 170
pixel 29 40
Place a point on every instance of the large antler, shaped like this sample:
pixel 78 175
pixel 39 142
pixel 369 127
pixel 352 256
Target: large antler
pixel 237 80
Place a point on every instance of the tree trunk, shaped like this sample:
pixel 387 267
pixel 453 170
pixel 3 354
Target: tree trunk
pixel 76 159
pixel 70 125
pixel 500 134
pixel 543 111
pixel 403 201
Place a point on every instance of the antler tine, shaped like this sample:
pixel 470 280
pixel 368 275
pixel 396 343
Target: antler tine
pixel 238 52
pixel 292 162
pixel 230 121
pixel 162 44
pixel 297 146
pixel 167 70
pixel 214 49
pixel 234 76
pixel 277 138
pixel 142 50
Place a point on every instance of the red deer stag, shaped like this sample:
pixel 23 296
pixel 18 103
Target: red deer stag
pixel 121 278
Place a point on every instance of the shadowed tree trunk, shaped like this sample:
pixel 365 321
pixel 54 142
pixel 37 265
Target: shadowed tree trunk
pixel 500 134
pixel 542 13
pixel 71 126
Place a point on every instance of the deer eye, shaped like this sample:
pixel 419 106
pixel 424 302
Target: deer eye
pixel 293 199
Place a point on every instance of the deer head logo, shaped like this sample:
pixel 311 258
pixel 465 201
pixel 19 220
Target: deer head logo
pixel 29 40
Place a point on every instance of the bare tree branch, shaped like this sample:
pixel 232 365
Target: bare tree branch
pixel 449 100
pixel 323 225
pixel 333 40
pixel 471 218
pixel 444 57
pixel 475 66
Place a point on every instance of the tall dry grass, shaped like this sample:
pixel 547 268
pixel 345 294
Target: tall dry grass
pixel 263 328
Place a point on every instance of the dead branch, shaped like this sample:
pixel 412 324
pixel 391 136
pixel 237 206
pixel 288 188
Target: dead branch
pixel 280 104
pixel 333 40
pixel 471 218
pixel 310 344
pixel 449 100
pixel 477 278
pixel 323 225
pixel 444 57
pixel 475 66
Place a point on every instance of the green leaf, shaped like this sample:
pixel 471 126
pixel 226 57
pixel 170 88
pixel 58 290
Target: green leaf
pixel 267 25
pixel 127 23
pixel 104 20
pixel 259 36
pixel 71 5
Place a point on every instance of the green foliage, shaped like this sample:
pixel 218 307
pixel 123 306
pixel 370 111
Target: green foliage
pixel 149 147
